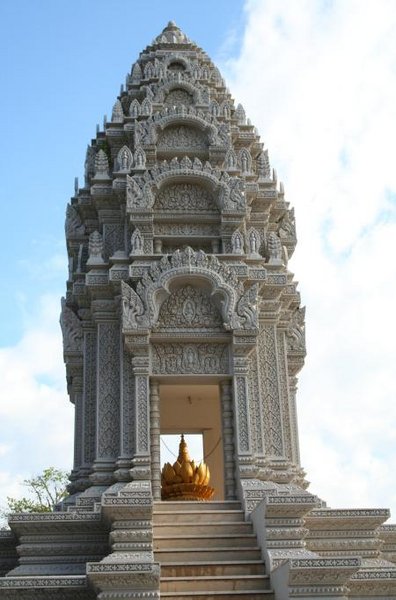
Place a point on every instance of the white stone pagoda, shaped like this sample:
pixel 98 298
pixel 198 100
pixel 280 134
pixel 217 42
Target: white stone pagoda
pixel 181 316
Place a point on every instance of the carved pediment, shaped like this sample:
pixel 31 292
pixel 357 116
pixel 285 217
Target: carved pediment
pixel 183 137
pixel 189 308
pixel 185 197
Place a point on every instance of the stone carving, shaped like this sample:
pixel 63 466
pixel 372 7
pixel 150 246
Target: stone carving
pixel 117 115
pixel 237 242
pixel 134 109
pixel 71 329
pixel 137 242
pixel 254 242
pixel 109 390
pixel 132 308
pixel 140 158
pixel 186 229
pixel 231 161
pixel 190 358
pixel 295 334
pixel 95 249
pixel 89 165
pixel 242 414
pixel 136 73
pixel 185 197
pixel 124 159
pixel 214 108
pixel 247 308
pixel 149 71
pixel 287 227
pixel 225 109
pixel 73 223
pixel 101 165
pixel 240 115
pixel 178 96
pixel 274 249
pixel 138 197
pixel 146 108
pixel 263 166
pixel 190 308
pixel 184 137
pixel 245 161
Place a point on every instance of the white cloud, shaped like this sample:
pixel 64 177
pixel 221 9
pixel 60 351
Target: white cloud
pixel 318 79
pixel 36 418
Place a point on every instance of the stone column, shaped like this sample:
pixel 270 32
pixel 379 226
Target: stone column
pixel 155 439
pixel 293 418
pixel 228 439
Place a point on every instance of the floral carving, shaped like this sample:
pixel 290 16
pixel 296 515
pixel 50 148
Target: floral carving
pixel 295 334
pixel 185 197
pixel 184 137
pixel 190 358
pixel 191 308
pixel 73 223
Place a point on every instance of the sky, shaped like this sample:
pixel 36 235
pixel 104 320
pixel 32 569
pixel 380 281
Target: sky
pixel 318 79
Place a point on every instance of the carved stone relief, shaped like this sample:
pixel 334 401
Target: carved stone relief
pixel 175 359
pixel 189 308
pixel 182 197
pixel 109 390
pixel 178 96
pixel 182 137
pixel 71 329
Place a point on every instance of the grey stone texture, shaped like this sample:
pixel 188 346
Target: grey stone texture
pixel 178 249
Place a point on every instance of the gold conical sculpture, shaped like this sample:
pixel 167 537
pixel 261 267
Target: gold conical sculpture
pixel 184 480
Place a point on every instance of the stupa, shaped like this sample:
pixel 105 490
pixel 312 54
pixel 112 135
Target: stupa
pixel 181 315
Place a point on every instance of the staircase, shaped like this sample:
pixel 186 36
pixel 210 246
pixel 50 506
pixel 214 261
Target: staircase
pixel 208 551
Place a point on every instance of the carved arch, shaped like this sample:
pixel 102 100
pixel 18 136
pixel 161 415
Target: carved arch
pixel 171 85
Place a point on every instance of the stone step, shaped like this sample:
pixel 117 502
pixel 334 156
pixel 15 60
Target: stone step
pixel 197 516
pixel 205 541
pixel 218 583
pixel 199 554
pixel 188 529
pixel 213 595
pixel 196 506
pixel 214 569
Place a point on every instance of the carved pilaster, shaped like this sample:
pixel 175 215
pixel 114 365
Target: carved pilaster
pixel 127 412
pixel 108 397
pixel 141 460
pixel 155 440
pixel 228 439
pixel 242 418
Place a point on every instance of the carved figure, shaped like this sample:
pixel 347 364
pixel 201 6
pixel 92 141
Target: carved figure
pixel 247 308
pixel 73 224
pixel 71 329
pixel 137 242
pixel 124 159
pixel 263 166
pixel 295 334
pixel 237 242
pixel 254 242
pixel 132 307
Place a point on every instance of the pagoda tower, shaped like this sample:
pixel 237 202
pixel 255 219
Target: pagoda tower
pixel 181 315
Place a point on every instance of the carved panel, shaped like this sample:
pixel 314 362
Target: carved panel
pixel 186 229
pixel 284 395
pixel 189 308
pixel 270 391
pixel 182 137
pixel 108 390
pixel 142 414
pixel 173 359
pixel 185 197
pixel 89 392
pixel 128 406
pixel 114 238
pixel 177 97
pixel 255 404
pixel 242 414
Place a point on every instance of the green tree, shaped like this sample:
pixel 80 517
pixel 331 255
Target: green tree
pixel 45 491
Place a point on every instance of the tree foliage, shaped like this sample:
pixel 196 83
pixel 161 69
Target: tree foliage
pixel 45 491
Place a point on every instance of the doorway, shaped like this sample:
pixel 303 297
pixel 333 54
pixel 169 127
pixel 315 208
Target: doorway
pixel 194 409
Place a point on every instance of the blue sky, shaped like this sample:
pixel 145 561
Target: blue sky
pixel 318 79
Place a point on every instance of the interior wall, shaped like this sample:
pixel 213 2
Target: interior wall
pixel 196 409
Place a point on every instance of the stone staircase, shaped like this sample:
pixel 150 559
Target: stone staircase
pixel 208 551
